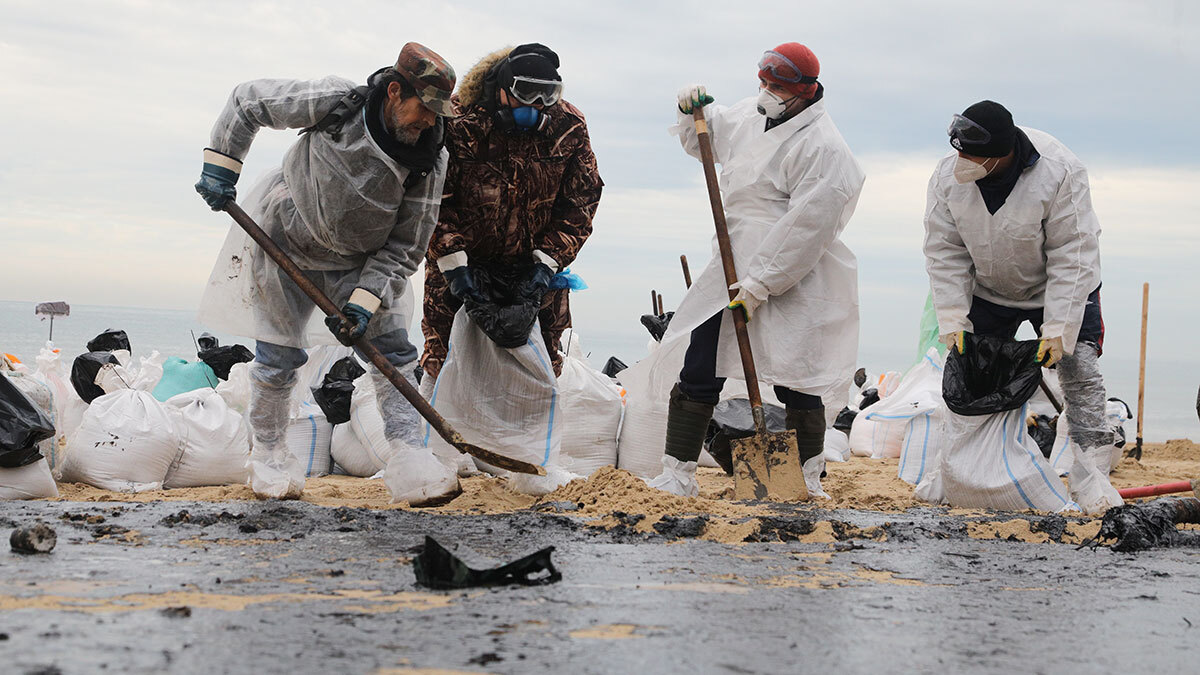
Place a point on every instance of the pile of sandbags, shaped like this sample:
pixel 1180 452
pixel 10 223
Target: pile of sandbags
pixel 24 429
pixel 592 409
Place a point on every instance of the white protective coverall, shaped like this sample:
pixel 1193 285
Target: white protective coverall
pixel 1041 249
pixel 338 207
pixel 788 193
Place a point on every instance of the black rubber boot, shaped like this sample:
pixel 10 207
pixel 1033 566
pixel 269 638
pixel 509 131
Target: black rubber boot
pixel 809 425
pixel 687 423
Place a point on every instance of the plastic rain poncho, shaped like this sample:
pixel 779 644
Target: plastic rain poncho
pixel 1040 249
pixel 337 206
pixel 788 194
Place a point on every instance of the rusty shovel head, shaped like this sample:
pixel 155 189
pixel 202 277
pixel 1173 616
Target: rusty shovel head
pixel 767 466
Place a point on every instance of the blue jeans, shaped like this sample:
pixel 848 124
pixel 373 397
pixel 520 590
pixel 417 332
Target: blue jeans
pixel 277 364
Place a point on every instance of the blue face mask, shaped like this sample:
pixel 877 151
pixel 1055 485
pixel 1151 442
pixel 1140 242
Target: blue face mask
pixel 526 117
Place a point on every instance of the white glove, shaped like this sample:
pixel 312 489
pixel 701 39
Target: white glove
pixel 691 96
pixel 1050 350
pixel 750 294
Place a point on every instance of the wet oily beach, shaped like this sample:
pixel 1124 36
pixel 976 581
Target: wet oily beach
pixel 620 503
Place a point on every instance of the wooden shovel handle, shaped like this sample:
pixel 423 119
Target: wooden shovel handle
pixel 718 211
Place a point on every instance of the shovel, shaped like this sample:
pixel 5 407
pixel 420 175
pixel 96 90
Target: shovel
pixel 766 465
pixel 389 371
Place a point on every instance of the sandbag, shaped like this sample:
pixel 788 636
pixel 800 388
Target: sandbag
pixel 32 481
pixel 592 408
pixel 837 446
pixel 180 376
pixel 309 437
pixel 235 390
pixel 360 446
pixel 990 461
pixel 992 375
pixel 214 441
pixel 42 397
pixel 908 408
pixel 23 426
pixel 84 371
pixel 68 407
pixel 1106 458
pixel 126 442
pixel 506 400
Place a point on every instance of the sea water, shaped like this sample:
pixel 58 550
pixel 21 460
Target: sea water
pixel 1171 380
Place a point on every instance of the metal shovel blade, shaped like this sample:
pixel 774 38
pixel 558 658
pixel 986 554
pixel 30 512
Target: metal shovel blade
pixel 767 466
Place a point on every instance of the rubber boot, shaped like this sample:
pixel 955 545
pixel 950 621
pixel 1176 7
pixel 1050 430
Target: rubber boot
pixel 687 424
pixel 809 425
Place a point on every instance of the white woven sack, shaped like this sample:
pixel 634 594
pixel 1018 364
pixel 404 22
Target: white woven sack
pixel 592 407
pixel 360 446
pixel 505 400
pixel 309 437
pixel 32 481
pixel 126 443
pixel 215 441
pixel 990 461
pixel 68 407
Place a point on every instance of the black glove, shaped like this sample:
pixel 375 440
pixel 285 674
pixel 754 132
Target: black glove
pixel 217 179
pixel 537 283
pixel 462 285
pixel 353 327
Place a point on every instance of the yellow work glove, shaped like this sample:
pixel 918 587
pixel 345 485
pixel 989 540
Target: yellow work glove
pixel 1050 351
pixel 955 342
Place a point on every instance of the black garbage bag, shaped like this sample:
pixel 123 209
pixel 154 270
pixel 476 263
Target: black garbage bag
pixel 22 426
pixel 845 419
pixel 84 371
pixel 512 307
pixel 207 341
pixel 111 339
pixel 869 398
pixel 732 420
pixel 335 392
pixel 613 366
pixel 437 567
pixel 993 375
pixel 1042 429
pixel 860 377
pixel 657 324
pixel 222 359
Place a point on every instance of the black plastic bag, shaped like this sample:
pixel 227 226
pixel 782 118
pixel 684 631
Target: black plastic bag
pixel 845 419
pixel 437 567
pixel 84 371
pixel 207 341
pixel 111 339
pixel 335 392
pixel 993 375
pixel 22 426
pixel 1043 430
pixel 869 398
pixel 613 366
pixel 657 324
pixel 512 307
pixel 222 359
pixel 732 420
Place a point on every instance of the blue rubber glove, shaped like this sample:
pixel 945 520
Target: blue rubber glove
pixel 462 285
pixel 217 179
pixel 353 327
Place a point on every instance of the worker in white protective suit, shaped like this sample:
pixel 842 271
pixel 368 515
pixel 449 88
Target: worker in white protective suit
pixel 789 185
pixel 354 205
pixel 1010 236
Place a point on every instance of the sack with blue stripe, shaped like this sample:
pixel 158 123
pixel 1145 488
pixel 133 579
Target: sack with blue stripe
pixel 916 406
pixel 503 399
pixel 988 458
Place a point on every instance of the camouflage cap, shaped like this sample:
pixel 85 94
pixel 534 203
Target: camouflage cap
pixel 429 74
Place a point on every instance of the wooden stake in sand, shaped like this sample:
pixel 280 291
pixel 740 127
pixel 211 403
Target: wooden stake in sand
pixel 1136 452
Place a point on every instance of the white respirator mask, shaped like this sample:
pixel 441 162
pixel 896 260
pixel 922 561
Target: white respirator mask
pixel 966 171
pixel 771 105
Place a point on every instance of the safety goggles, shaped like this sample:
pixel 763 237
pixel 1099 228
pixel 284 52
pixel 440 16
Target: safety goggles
pixel 782 68
pixel 964 132
pixel 531 90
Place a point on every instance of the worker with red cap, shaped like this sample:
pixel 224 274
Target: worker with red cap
pixel 789 185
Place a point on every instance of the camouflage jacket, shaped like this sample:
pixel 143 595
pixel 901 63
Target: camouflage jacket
pixel 508 194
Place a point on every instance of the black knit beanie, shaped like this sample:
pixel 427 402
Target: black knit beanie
pixel 998 122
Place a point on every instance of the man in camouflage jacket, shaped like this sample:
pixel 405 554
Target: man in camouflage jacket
pixel 521 188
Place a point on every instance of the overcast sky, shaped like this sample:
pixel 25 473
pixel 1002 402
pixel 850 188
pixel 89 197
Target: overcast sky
pixel 107 105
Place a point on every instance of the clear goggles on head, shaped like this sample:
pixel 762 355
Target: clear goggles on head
pixel 531 90
pixel 782 68
pixel 963 131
